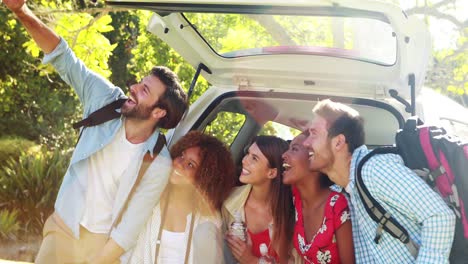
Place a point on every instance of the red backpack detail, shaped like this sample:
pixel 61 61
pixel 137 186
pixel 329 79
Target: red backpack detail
pixel 442 160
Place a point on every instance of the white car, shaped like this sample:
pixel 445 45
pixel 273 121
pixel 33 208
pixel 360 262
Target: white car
pixel 289 54
pixel 269 62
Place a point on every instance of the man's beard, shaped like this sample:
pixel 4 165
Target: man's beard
pixel 138 112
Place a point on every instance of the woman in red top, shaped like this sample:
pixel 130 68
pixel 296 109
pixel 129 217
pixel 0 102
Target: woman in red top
pixel 322 233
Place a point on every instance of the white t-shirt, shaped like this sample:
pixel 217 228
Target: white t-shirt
pixel 173 245
pixel 105 168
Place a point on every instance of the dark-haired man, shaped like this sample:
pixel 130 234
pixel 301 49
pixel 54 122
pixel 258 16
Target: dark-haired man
pixel 93 220
pixel 336 145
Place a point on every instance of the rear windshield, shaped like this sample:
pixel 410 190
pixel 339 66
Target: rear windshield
pixel 236 35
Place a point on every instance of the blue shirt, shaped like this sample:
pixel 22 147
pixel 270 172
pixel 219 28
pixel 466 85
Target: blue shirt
pixel 95 92
pixel 426 217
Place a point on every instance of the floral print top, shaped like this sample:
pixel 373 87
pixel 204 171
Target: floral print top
pixel 322 248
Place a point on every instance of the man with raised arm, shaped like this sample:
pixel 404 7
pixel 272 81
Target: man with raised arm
pixel 93 221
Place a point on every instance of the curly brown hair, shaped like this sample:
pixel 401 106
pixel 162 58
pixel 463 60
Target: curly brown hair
pixel 215 176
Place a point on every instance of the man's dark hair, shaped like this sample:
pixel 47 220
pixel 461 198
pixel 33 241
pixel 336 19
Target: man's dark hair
pixel 174 99
pixel 342 119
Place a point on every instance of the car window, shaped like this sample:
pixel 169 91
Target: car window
pixel 276 129
pixel 225 126
pixel 236 35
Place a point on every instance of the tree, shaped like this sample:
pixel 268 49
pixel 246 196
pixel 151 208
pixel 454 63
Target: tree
pixel 126 31
pixel 35 103
pixel 449 72
pixel 151 51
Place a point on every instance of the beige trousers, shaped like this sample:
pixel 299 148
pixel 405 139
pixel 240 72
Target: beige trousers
pixel 60 246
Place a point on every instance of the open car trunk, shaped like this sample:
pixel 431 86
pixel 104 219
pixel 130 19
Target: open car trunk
pixel 273 61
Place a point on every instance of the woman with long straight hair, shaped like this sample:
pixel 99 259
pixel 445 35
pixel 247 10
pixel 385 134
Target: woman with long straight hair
pixel 263 202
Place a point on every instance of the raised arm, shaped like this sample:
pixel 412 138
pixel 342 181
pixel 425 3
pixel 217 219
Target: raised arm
pixel 45 38
pixel 93 90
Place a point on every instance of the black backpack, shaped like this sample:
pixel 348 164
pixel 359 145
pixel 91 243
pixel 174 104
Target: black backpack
pixel 442 161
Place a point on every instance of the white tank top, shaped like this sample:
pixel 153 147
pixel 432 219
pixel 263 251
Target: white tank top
pixel 172 249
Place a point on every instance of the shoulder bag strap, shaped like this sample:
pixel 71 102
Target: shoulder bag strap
pixel 384 219
pixel 147 160
pixel 189 240
pixel 101 115
pixel 161 224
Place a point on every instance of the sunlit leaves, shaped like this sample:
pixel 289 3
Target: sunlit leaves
pixel 151 51
pixel 450 71
pixel 84 33
pixel 12 23
pixel 225 126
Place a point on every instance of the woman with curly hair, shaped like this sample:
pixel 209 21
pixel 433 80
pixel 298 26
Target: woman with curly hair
pixel 185 226
pixel 264 204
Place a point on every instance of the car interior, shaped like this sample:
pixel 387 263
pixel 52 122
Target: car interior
pixel 286 115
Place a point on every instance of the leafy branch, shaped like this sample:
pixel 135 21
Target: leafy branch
pixel 433 10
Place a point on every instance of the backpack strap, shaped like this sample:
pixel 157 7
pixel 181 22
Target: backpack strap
pixel 147 160
pixel 101 115
pixel 105 114
pixel 384 219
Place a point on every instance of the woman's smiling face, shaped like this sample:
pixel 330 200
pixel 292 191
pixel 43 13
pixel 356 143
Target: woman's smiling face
pixel 296 161
pixel 255 166
pixel 185 166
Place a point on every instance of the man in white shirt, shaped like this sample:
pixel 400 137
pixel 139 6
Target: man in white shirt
pixel 93 221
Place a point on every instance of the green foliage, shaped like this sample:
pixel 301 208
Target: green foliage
pixel 126 30
pixel 34 102
pixel 225 126
pixel 12 147
pixel 30 186
pixel 275 129
pixel 231 31
pixel 450 72
pixel 31 106
pixel 299 29
pixel 151 51
pixel 294 132
pixel 84 34
pixel 269 130
pixel 9 225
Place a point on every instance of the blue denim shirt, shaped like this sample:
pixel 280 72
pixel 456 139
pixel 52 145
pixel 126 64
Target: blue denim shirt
pixel 95 92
